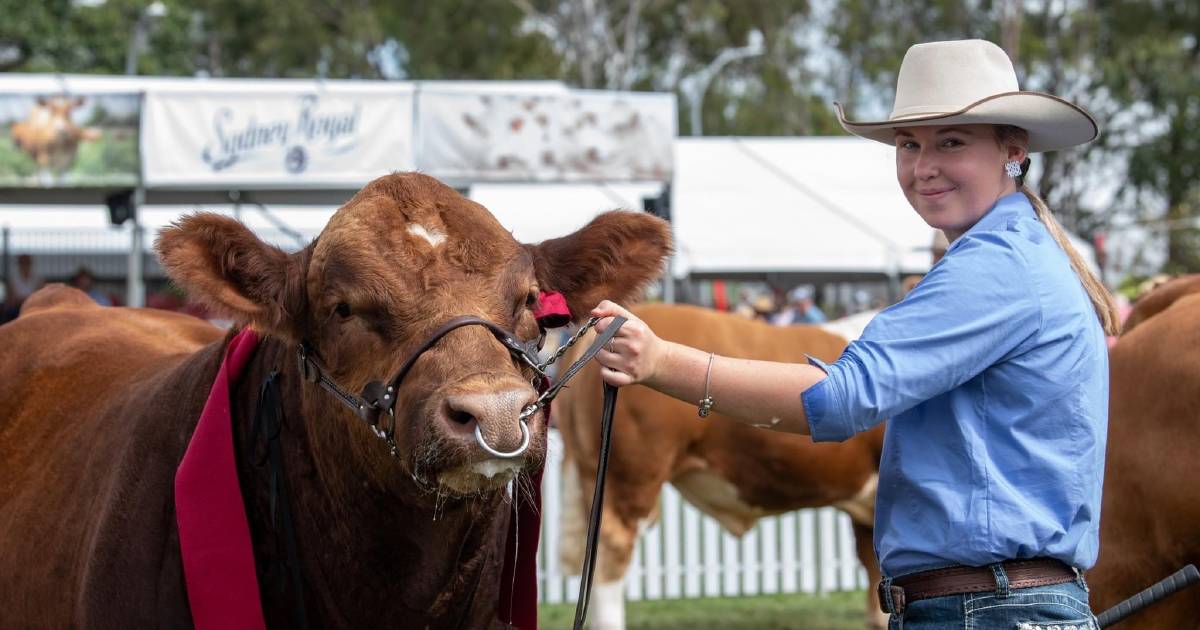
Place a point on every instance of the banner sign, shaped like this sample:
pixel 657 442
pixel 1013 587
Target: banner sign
pixel 65 139
pixel 571 136
pixel 273 139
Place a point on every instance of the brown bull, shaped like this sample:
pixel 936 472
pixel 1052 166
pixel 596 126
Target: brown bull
pixel 733 472
pixel 1150 518
pixel 97 406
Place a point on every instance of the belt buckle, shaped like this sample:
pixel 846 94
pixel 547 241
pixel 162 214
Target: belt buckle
pixel 891 598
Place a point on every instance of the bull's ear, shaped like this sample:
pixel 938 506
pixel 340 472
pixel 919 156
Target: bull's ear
pixel 612 258
pixel 222 264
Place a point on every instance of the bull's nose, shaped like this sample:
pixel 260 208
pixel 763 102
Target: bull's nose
pixel 495 412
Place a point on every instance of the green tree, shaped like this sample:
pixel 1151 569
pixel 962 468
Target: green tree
pixel 1149 56
pixel 469 39
pixel 449 39
pixel 653 44
pixel 65 36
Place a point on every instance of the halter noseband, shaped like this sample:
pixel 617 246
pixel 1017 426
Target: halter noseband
pixel 378 397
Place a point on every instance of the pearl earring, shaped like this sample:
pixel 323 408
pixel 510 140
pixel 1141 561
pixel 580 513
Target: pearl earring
pixel 1012 168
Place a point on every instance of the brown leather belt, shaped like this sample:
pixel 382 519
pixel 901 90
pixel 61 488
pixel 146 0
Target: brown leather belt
pixel 961 579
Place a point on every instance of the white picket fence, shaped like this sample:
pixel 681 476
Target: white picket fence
pixel 687 554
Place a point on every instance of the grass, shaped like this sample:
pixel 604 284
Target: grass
pixel 835 611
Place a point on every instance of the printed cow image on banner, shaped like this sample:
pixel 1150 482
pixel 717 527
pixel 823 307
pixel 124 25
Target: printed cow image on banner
pixel 326 137
pixel 66 140
pixel 575 136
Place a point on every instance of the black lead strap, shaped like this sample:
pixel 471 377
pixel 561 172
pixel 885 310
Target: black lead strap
pixel 589 565
pixel 608 409
pixel 268 420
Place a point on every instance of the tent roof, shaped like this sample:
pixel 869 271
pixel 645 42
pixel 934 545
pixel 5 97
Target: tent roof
pixel 536 212
pixel 795 205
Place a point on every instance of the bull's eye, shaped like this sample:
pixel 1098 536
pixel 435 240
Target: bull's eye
pixel 342 309
pixel 531 300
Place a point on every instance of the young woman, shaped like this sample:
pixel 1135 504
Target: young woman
pixel 993 370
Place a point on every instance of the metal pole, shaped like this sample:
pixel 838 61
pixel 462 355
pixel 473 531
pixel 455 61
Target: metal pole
pixel 135 45
pixel 7 278
pixel 135 287
pixel 695 85
pixel 668 294
pixel 141 31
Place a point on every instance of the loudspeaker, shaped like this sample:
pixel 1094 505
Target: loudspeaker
pixel 120 206
pixel 659 206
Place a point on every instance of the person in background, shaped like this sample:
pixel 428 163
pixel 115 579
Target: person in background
pixel 992 373
pixel 86 282
pixel 800 308
pixel 21 286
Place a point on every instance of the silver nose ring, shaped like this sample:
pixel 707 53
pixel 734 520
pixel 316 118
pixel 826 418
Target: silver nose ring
pixel 494 453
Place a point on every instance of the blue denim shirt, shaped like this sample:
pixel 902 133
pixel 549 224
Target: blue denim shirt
pixel 994 374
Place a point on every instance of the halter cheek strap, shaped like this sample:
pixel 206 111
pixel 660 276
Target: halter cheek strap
pixel 378 397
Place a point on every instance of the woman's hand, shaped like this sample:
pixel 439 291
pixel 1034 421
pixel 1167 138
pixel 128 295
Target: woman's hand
pixel 634 354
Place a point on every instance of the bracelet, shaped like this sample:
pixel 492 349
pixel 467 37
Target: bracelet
pixel 706 403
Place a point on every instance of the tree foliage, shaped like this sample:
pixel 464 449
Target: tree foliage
pixel 1149 61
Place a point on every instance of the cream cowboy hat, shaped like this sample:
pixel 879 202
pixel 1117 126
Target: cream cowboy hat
pixel 973 82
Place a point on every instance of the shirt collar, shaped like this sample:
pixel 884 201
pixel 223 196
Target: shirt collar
pixel 1006 209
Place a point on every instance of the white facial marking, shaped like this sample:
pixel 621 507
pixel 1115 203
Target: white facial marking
pixel 434 237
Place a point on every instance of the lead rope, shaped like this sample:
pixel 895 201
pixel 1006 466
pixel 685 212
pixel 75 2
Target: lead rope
pixel 589 563
pixel 606 421
pixel 268 419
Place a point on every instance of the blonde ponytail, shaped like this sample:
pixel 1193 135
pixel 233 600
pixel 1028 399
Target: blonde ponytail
pixel 1102 301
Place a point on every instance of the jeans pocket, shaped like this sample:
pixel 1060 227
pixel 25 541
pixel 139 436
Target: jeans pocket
pixel 1061 607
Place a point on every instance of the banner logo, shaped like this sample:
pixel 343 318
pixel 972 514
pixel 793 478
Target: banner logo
pixel 290 139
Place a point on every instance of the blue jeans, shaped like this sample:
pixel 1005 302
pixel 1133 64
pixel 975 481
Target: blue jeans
pixel 1058 607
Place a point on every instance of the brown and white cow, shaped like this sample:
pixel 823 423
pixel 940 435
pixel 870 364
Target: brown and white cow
pixel 733 472
pixel 1150 518
pixel 50 137
pixel 97 406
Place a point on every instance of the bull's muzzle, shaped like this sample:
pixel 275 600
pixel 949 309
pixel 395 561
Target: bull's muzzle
pixel 499 429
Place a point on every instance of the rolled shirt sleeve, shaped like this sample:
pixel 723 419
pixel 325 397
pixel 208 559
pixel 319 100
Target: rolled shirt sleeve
pixel 973 309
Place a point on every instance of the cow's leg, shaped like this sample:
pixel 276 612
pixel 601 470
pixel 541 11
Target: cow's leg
pixel 631 505
pixel 573 520
pixel 616 542
pixel 861 509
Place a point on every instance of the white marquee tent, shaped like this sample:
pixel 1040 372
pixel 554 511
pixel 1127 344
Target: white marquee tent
pixel 753 206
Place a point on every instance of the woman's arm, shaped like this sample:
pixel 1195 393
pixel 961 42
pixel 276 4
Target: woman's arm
pixel 759 393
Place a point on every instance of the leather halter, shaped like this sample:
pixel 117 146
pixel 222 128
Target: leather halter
pixel 379 397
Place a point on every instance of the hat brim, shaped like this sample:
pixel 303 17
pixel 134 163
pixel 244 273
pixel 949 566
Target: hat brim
pixel 1052 122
